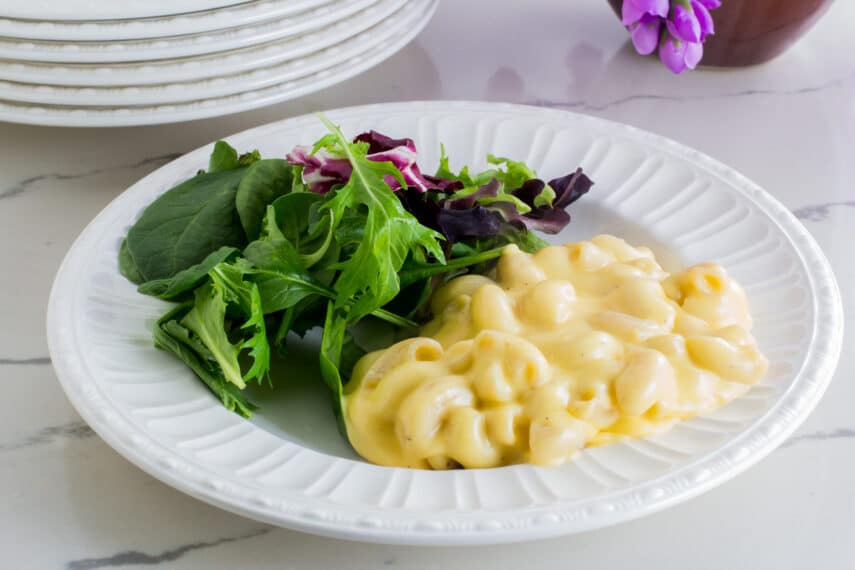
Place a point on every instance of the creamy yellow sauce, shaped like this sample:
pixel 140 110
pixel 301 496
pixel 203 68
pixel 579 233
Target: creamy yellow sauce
pixel 575 345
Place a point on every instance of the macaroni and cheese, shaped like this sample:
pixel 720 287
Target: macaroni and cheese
pixel 572 346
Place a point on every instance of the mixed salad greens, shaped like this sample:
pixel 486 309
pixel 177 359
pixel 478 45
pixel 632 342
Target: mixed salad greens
pixel 255 250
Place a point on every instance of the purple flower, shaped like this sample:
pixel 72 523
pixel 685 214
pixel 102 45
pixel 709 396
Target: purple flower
pixel 683 24
pixel 704 18
pixel 633 10
pixel 687 23
pixel 677 55
pixel 645 34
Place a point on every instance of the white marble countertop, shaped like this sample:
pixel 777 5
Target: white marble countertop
pixel 69 501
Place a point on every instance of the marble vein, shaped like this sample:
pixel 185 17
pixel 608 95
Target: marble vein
pixel 23 185
pixel 50 434
pixel 839 433
pixel 135 557
pixel 819 212
pixel 39 360
pixel 584 105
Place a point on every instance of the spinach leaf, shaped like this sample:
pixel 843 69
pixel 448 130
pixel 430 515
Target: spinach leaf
pixel 264 181
pixel 186 224
pixel 223 158
pixel 294 212
pixel 299 220
pixel 186 280
pixel 127 265
pixel 171 336
pixel 275 254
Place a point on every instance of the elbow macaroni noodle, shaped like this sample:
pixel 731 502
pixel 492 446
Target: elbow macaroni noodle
pixel 574 345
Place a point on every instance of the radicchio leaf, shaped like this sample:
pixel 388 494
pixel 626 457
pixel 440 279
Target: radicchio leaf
pixel 321 170
pixel 400 152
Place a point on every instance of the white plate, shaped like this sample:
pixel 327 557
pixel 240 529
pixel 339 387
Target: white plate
pixel 290 467
pixel 172 113
pixel 193 23
pixel 182 46
pixel 195 67
pixel 223 85
pixel 105 9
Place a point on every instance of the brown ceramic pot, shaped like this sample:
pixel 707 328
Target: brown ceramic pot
pixel 748 32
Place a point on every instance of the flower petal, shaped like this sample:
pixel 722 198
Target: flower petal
pixel 693 55
pixel 672 53
pixel 685 24
pixel 645 34
pixel 633 10
pixel 704 19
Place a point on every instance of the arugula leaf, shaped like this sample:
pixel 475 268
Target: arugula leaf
pixel 257 344
pixel 171 336
pixel 207 320
pixel 171 288
pixel 223 158
pixel 332 343
pixel 414 271
pixel 284 290
pixel 186 224
pixel 369 278
pixel 264 181
pixel 527 241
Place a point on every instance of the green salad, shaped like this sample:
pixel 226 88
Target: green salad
pixel 255 251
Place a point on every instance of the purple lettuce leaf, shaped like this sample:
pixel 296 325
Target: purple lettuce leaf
pixel 551 218
pixel 321 170
pixel 400 152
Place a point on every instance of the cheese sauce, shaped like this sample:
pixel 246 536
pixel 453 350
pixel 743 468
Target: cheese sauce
pixel 572 346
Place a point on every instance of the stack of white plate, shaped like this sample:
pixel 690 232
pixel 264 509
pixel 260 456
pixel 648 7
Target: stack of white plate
pixel 132 62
